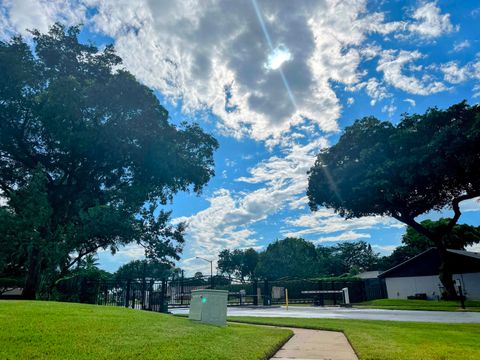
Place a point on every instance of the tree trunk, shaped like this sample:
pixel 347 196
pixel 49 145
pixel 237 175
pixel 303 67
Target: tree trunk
pixel 33 275
pixel 446 276
pixel 445 273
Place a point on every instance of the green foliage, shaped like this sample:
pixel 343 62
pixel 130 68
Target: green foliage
pixel 140 269
pixel 298 258
pixel 426 162
pixel 460 236
pixel 87 156
pixel 352 258
pixel 414 243
pixel 80 285
pixel 65 331
pixel 239 263
pixel 290 257
pixel 436 305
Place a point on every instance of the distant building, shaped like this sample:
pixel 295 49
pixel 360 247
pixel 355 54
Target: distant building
pixel 419 275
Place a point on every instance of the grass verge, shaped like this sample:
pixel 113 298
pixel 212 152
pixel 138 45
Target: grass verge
pixel 437 305
pixel 50 330
pixel 393 340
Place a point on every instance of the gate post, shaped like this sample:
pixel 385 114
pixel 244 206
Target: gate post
pixel 105 293
pixel 255 287
pixel 163 306
pixel 150 295
pixel 127 294
pixel 133 294
pixel 144 289
pixel 266 296
pixel 181 289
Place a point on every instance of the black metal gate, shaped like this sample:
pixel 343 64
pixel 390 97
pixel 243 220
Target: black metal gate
pixel 160 294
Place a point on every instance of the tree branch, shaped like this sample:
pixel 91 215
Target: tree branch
pixel 456 208
pixel 410 221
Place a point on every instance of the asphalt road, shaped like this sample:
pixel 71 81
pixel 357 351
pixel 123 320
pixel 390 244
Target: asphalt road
pixel 352 313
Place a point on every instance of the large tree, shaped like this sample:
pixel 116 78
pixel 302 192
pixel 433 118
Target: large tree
pixel 290 257
pixel 354 257
pixel 141 269
pixel 239 262
pixel 425 162
pixel 87 156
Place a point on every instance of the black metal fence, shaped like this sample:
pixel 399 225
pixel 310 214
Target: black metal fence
pixel 160 294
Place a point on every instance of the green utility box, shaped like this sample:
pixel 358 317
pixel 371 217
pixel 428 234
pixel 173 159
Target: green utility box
pixel 209 306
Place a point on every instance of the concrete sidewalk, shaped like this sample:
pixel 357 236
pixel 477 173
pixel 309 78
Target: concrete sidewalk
pixel 316 344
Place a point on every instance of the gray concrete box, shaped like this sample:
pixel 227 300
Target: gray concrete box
pixel 209 306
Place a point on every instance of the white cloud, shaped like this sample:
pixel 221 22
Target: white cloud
pixel 191 265
pixel 299 203
pixel 389 109
pixel 460 45
pixel 374 88
pixel 193 50
pixel 430 22
pixel 345 236
pixel 453 73
pixel 210 55
pixel 392 63
pixel 221 225
pixel 124 255
pixel 18 16
pixel 411 102
pixel 376 91
pixel 325 221
pixel 456 74
pixel 470 205
pixel 225 222
pixel 385 249
pixel 476 90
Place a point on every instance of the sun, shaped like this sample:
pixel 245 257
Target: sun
pixel 278 57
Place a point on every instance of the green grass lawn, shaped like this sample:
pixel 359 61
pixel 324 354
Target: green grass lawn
pixel 399 304
pixel 50 330
pixel 394 340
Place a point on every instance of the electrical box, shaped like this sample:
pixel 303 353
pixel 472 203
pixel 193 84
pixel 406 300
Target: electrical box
pixel 209 306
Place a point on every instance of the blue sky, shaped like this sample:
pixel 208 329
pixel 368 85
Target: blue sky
pixel 275 81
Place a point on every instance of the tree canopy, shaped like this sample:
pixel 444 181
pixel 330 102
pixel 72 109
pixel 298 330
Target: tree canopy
pixel 299 258
pixel 425 162
pixel 87 156
pixel 141 269
pixel 239 263
pixel 290 257
pixel 354 257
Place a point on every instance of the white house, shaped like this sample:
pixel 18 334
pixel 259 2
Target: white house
pixel 419 275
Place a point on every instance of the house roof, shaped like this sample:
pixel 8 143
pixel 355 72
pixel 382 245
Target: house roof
pixel 475 255
pixel 368 274
pixel 428 263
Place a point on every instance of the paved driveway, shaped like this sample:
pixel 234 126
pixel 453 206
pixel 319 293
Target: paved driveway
pixel 352 313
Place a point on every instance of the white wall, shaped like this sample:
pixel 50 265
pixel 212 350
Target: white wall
pixel 401 287
pixel 471 285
